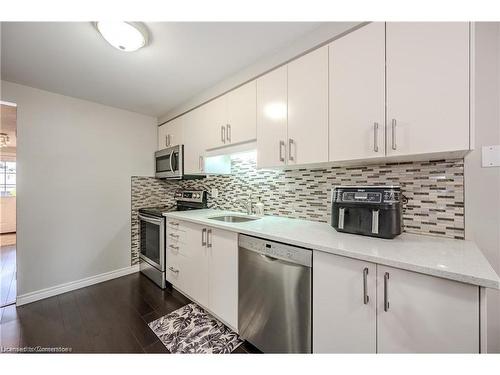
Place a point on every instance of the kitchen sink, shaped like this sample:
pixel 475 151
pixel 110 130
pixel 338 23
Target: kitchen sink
pixel 234 218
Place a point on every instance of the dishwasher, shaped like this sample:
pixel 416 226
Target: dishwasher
pixel 274 295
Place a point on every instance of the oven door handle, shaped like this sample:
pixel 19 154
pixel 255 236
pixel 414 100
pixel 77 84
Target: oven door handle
pixel 150 220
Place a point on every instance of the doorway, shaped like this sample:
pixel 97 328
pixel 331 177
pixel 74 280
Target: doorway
pixel 8 169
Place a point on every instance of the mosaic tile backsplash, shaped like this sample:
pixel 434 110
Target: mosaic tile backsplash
pixel 435 192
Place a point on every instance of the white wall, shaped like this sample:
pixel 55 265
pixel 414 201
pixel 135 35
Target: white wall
pixel 482 185
pixel 74 163
pixel 328 31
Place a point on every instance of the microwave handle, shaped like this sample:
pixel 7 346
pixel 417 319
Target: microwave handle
pixel 170 159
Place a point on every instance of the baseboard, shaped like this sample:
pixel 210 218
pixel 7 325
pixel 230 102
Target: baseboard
pixel 73 285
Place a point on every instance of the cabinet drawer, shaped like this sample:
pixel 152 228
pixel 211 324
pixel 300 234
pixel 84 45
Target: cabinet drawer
pixel 175 225
pixel 184 247
pixel 175 236
pixel 178 273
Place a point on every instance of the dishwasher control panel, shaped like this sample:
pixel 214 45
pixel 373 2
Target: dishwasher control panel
pixel 277 250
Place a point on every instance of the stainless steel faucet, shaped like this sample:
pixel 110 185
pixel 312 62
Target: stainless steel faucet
pixel 248 203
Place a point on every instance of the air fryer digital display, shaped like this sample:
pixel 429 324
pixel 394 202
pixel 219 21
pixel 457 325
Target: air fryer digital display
pixel 358 196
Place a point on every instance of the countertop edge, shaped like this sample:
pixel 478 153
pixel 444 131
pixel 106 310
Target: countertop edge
pixel 463 278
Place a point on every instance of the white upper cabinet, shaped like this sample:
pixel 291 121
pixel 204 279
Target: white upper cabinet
pixel 357 94
pixel 308 108
pixel 241 106
pixel 344 305
pixel 427 87
pixel 213 126
pixel 425 314
pixel 194 141
pixel 171 133
pixel 272 118
pixel 231 118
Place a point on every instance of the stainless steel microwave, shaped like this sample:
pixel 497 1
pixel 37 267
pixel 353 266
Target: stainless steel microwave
pixel 169 162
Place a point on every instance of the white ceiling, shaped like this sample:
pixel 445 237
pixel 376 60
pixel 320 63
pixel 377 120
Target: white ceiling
pixel 182 59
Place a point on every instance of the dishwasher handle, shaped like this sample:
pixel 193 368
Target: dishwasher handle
pixel 270 259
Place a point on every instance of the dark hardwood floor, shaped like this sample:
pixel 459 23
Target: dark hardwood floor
pixel 110 317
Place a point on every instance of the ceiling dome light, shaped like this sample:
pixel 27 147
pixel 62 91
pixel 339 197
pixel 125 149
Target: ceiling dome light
pixel 125 36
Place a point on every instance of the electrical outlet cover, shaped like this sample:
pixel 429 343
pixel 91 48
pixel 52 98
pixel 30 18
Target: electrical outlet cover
pixel 491 156
pixel 214 192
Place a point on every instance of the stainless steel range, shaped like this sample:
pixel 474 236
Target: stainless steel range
pixel 152 233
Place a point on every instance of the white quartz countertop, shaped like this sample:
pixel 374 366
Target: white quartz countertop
pixel 457 260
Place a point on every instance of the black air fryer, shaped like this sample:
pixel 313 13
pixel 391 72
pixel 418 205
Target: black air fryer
pixel 368 210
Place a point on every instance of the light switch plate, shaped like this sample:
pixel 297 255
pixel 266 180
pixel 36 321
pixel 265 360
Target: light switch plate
pixel 214 192
pixel 491 156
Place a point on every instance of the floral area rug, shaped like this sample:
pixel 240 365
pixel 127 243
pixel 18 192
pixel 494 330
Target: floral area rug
pixel 191 329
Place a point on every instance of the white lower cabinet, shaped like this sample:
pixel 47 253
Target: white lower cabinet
pixel 223 275
pixel 203 264
pixel 405 311
pixel 425 314
pixel 344 305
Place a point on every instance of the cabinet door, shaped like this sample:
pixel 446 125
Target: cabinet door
pixel 223 275
pixel 357 94
pixel 170 134
pixel 162 137
pixel 214 123
pixel 425 314
pixel 241 105
pixel 272 118
pixel 195 262
pixel 175 131
pixel 427 87
pixel 308 108
pixel 344 321
pixel 194 141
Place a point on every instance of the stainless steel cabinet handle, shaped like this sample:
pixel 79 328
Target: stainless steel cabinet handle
pixel 200 163
pixel 174 247
pixel 282 144
pixel 228 132
pixel 173 223
pixel 173 270
pixel 375 136
pixel 223 134
pixel 203 237
pixel 174 235
pixel 166 140
pixel 209 238
pixel 365 286
pixel 386 297
pixel 394 146
pixel 290 143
